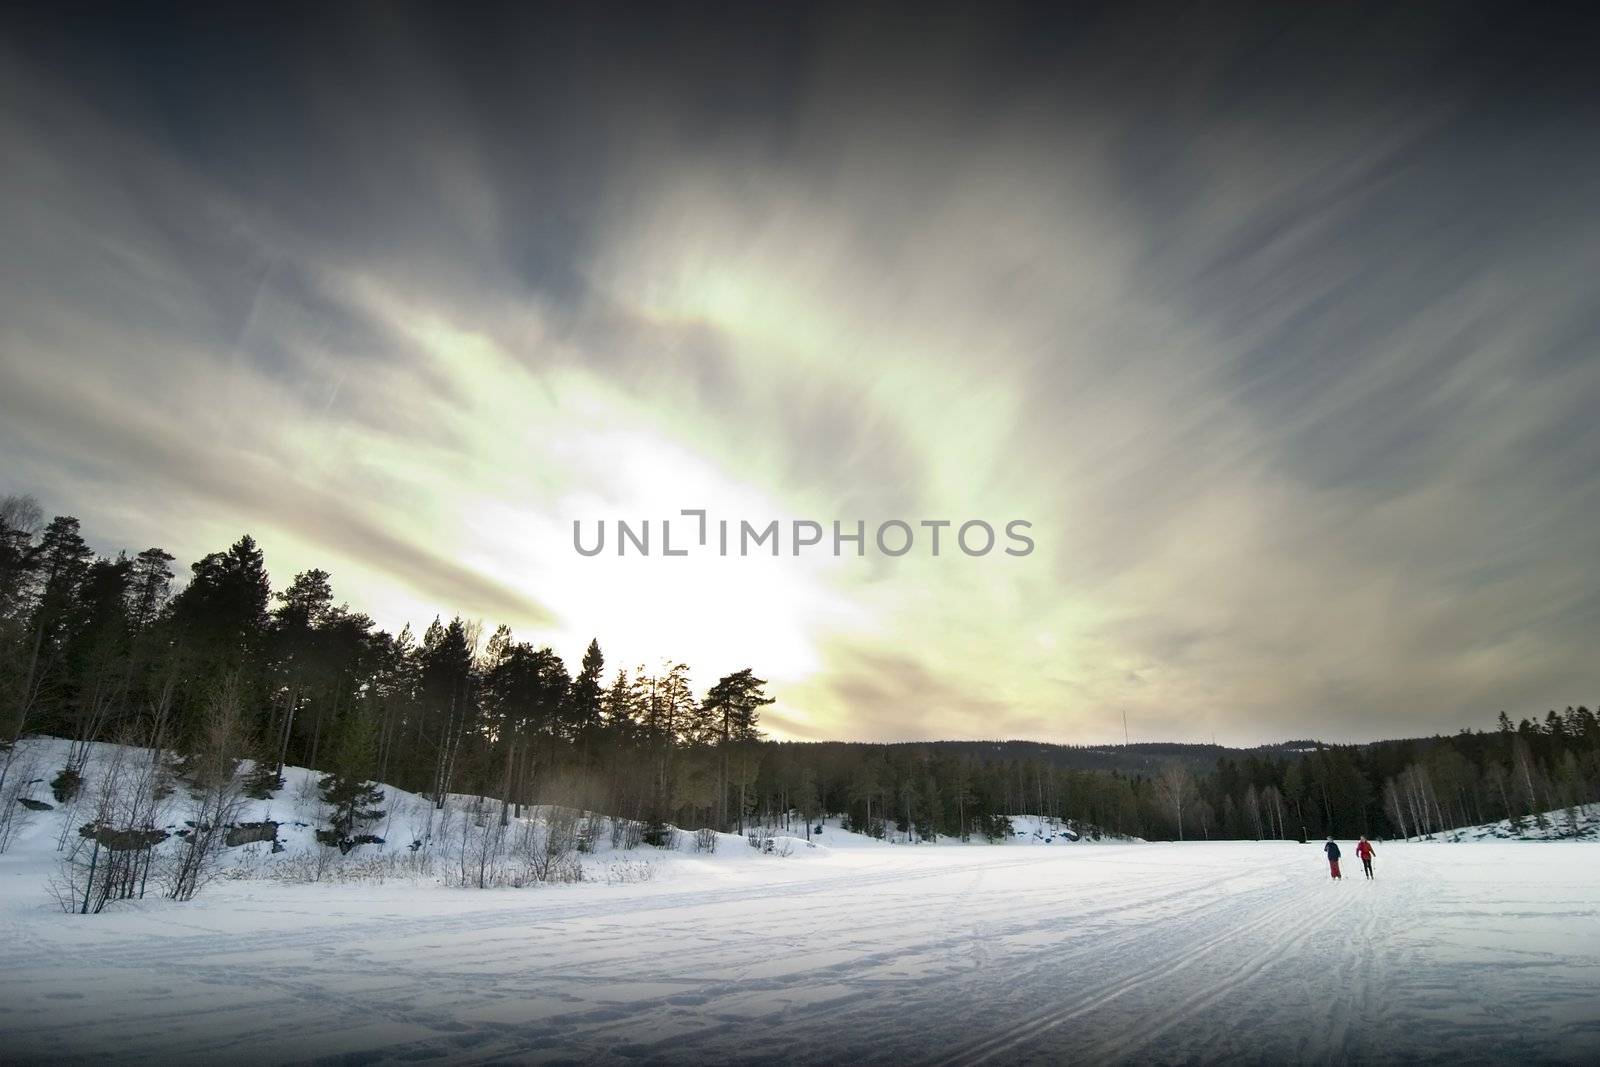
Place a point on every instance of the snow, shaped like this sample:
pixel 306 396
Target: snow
pixel 853 951
pixel 1581 823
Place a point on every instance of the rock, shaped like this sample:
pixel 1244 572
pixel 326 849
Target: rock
pixel 246 833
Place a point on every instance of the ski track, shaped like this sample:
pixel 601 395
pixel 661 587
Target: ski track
pixel 1138 954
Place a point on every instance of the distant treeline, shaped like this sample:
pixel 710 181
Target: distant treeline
pixel 97 648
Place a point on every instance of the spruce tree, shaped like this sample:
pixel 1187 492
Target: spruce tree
pixel 585 701
pixel 351 798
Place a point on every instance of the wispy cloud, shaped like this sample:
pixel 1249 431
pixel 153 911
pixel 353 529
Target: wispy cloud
pixel 1296 386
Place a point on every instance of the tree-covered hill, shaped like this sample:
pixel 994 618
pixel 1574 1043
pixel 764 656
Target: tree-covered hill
pixel 99 648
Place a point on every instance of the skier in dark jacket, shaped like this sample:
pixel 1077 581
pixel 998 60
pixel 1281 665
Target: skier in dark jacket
pixel 1364 850
pixel 1332 850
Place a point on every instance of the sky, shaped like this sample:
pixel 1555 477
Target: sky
pixel 1279 325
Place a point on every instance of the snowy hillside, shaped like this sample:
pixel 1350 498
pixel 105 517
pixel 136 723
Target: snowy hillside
pixel 1564 824
pixel 417 840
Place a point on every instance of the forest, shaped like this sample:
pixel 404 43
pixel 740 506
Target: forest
pixel 107 648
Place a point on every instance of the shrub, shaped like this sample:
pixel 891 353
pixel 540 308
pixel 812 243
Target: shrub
pixel 326 865
pixel 661 836
pixel 767 843
pixel 262 781
pixel 589 832
pixel 16 781
pixel 629 872
pixel 65 786
pixel 335 839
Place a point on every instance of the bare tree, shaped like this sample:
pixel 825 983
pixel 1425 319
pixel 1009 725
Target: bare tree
pixel 109 858
pixel 553 857
pixel 1396 808
pixel 1272 806
pixel 483 847
pixel 16 806
pixel 216 794
pixel 1525 771
pixel 1175 785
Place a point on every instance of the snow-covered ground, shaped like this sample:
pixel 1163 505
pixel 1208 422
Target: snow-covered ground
pixel 854 951
pixel 1563 824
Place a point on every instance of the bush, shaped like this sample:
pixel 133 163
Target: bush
pixel 321 865
pixel 262 781
pixel 629 872
pixel 65 786
pixel 996 827
pixel 705 840
pixel 588 832
pixel 335 839
pixel 767 843
pixel 661 836
pixel 562 871
pixel 16 782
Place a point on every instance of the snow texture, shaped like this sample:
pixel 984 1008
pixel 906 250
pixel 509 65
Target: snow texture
pixel 1580 823
pixel 854 951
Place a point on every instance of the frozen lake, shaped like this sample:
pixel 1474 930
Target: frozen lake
pixel 1133 953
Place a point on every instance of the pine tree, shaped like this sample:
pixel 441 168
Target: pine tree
pixel 97 647
pixel 621 712
pixel 302 610
pixel 351 797
pixel 584 705
pixel 59 564
pixel 446 689
pixel 150 584
pixel 806 800
pixel 732 708
pixel 224 607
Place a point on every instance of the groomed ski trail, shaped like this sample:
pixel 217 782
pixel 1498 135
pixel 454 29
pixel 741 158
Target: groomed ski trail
pixel 1138 953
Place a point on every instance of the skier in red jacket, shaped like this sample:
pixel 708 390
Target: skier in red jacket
pixel 1364 850
pixel 1333 858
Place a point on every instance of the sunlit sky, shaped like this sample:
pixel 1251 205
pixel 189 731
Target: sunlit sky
pixel 1281 331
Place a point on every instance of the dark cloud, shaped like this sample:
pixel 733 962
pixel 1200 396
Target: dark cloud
pixel 1279 323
